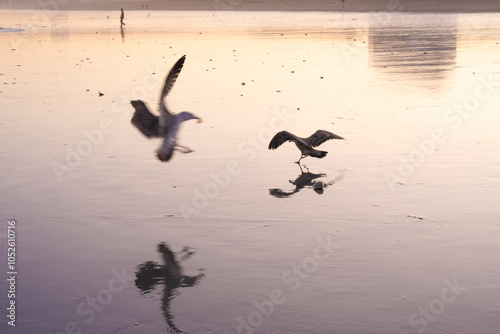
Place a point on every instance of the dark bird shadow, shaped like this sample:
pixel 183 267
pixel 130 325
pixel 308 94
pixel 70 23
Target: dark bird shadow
pixel 170 276
pixel 305 179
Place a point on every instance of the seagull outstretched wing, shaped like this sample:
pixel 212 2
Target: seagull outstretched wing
pixel 169 83
pixel 280 138
pixel 144 120
pixel 320 136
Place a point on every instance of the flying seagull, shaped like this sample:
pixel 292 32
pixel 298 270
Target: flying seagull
pixel 305 145
pixel 167 124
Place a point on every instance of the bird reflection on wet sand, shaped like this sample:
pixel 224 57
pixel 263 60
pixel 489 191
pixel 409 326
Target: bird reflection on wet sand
pixel 122 33
pixel 150 274
pixel 306 180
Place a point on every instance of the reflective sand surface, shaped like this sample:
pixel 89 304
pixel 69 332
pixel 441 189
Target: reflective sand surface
pixel 403 239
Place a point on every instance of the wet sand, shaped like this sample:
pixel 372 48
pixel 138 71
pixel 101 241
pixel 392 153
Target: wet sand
pixel 403 240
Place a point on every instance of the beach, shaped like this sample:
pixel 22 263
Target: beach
pixel 445 6
pixel 234 237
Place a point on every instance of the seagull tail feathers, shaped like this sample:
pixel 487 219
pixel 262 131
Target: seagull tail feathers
pixel 318 154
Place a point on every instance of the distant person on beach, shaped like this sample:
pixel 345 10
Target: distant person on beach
pixel 122 16
pixel 343 1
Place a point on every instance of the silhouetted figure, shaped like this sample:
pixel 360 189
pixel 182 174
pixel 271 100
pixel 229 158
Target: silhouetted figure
pixel 343 1
pixel 122 16
pixel 170 274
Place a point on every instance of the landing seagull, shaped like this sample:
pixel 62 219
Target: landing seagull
pixel 305 145
pixel 167 124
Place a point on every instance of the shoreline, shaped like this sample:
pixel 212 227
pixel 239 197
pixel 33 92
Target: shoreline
pixel 403 6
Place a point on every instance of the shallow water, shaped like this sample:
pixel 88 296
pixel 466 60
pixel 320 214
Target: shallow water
pixel 403 239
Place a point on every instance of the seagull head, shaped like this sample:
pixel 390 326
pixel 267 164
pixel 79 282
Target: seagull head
pixel 186 116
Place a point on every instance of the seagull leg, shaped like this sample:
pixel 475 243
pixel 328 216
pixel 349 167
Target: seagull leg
pixel 301 171
pixel 301 156
pixel 183 149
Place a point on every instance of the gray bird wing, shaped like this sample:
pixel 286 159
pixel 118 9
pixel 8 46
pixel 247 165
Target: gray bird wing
pixel 169 83
pixel 282 137
pixel 144 120
pixel 320 136
pixel 166 149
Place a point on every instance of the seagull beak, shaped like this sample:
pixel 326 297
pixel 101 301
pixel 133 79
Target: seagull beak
pixel 199 120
